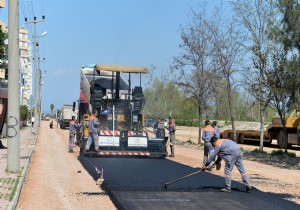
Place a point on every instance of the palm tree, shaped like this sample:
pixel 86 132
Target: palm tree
pixel 52 107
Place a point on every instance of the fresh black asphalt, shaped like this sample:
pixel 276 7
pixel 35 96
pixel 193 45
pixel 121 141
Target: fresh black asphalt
pixel 138 183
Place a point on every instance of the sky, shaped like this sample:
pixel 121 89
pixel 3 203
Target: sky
pixel 119 32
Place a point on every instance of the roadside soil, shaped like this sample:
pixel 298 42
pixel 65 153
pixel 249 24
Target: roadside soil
pixel 56 179
pixel 268 173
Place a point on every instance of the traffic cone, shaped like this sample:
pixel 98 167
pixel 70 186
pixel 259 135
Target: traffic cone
pixel 101 179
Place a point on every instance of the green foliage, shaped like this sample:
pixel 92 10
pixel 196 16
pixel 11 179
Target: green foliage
pixel 189 123
pixel 3 37
pixel 287 31
pixel 162 99
pixel 258 151
pixel 282 153
pixel 24 112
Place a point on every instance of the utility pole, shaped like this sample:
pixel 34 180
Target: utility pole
pixel 13 112
pixel 41 75
pixel 36 75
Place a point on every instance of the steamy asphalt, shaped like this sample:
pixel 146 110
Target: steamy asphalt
pixel 138 183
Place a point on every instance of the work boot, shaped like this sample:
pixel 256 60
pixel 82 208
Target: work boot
pixel 225 190
pixel 172 151
pixel 2 146
pixel 248 189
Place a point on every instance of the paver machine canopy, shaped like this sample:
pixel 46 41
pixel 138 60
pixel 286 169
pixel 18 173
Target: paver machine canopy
pixel 106 91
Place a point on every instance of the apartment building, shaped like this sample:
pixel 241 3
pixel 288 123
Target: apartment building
pixel 25 65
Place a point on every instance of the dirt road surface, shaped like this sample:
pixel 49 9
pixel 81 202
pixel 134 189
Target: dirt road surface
pixel 57 180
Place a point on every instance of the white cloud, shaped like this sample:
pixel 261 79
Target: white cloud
pixel 59 72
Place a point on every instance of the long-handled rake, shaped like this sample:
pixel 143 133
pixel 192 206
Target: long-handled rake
pixel 186 176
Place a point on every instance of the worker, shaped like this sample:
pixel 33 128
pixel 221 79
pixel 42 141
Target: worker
pixel 208 133
pixel 155 127
pixel 72 131
pixel 93 131
pixel 230 152
pixel 167 142
pixel 57 122
pixel 172 129
pixel 217 129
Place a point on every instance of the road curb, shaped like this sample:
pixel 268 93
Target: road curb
pixel 13 204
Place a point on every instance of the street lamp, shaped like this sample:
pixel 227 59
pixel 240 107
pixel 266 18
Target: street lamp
pixel 44 33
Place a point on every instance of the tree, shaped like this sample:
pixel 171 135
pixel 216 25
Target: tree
pixel 226 40
pixel 193 68
pixel 282 79
pixel 162 98
pixel 3 37
pixel 24 112
pixel 285 31
pixel 52 108
pixel 255 17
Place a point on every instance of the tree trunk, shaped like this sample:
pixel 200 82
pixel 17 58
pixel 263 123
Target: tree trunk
pixel 285 139
pixel 199 123
pixel 284 131
pixel 262 118
pixel 231 109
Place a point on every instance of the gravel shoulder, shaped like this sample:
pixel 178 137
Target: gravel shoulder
pixel 56 179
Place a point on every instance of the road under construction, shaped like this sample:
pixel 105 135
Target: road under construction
pixel 65 180
pixel 138 183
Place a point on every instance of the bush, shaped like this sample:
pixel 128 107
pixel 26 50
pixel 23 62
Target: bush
pixel 258 151
pixel 189 123
pixel 282 153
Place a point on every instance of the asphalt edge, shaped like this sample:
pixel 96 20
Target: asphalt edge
pixel 13 204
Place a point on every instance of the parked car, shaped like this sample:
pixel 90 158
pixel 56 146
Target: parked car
pixel 149 123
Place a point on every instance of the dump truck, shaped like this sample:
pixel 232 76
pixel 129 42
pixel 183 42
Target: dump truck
pixel 120 112
pixel 66 114
pixel 273 132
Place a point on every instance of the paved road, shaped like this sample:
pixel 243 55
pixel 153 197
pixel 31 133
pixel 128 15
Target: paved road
pixel 138 183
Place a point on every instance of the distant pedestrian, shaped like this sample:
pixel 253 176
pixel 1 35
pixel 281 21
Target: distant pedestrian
pixel 93 131
pixel 51 125
pixel 172 129
pixel 72 131
pixel 32 121
pixel 230 152
pixel 217 129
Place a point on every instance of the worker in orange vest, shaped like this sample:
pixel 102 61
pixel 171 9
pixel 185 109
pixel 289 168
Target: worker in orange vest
pixel 208 133
pixel 93 131
pixel 230 152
